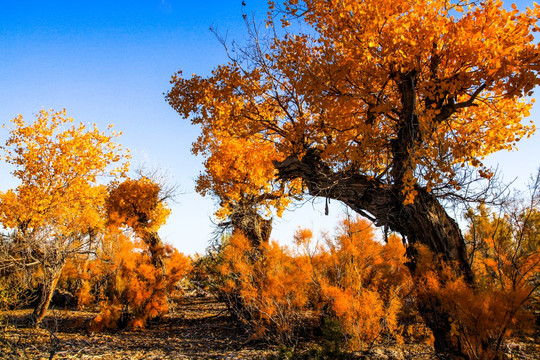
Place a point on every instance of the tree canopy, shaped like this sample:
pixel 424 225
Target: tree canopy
pixel 397 93
pixel 58 165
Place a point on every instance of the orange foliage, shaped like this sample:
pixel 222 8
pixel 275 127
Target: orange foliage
pixel 76 278
pixel 137 204
pixel 363 281
pixel 124 282
pixel 484 315
pixel 354 279
pixel 58 165
pixel 268 287
pixel 339 90
pixel 136 289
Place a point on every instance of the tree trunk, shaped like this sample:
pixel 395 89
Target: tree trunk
pixel 157 255
pixel 427 222
pixel 50 279
pixel 155 245
pixel 254 227
pixel 423 222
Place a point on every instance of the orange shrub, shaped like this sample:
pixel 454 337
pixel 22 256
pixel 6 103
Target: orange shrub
pixel 123 281
pixel 267 287
pixel 362 282
pixel 354 279
pixel 481 316
pixel 136 289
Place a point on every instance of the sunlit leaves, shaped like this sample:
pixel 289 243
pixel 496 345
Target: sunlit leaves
pixel 337 89
pixel 58 164
pixel 137 203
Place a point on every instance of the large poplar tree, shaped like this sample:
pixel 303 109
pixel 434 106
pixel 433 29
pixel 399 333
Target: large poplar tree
pixel 386 106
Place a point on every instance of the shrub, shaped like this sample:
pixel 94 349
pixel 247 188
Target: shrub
pixel 137 290
pixel 267 288
pixel 362 282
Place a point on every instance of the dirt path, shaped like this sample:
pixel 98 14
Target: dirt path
pixel 199 329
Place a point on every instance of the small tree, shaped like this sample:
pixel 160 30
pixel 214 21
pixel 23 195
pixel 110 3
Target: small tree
pixel 131 289
pixel 141 205
pixel 57 210
pixel 139 269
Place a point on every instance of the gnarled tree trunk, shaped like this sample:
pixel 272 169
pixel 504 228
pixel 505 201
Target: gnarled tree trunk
pixel 157 250
pixel 254 227
pixel 51 275
pixel 245 219
pixel 423 222
pixel 157 255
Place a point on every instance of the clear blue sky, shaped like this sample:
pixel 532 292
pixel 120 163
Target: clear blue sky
pixel 111 62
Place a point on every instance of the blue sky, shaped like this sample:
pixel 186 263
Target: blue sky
pixel 111 62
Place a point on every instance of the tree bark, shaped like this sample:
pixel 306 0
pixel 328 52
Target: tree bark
pixel 254 227
pixel 155 245
pixel 423 222
pixel 157 256
pixel 50 279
